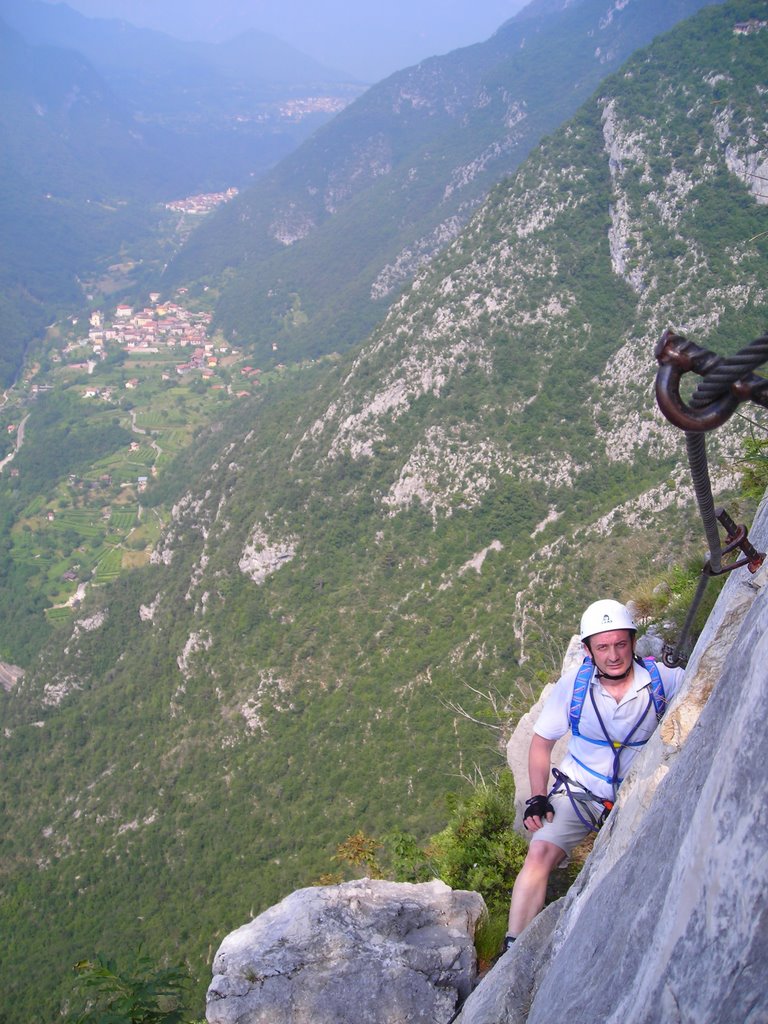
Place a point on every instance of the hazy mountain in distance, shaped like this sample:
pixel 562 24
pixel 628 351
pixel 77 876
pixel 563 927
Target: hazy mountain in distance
pixel 314 253
pixel 370 40
pixel 157 72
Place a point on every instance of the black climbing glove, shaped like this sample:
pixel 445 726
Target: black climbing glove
pixel 537 807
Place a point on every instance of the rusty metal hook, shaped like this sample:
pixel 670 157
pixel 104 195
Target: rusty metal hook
pixel 677 355
pixel 738 538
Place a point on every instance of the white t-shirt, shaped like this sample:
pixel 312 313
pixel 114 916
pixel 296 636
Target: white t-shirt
pixel 619 720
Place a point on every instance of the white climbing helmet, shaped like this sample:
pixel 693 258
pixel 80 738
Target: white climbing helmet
pixel 602 616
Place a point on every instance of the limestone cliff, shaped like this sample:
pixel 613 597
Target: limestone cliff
pixel 365 952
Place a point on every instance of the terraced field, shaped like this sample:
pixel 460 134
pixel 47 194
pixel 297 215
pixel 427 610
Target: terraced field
pixel 88 525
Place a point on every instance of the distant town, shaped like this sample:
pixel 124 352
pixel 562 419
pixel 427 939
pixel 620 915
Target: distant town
pixel 297 110
pixel 165 328
pixel 160 327
pixel 203 203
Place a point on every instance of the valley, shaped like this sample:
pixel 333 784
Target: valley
pixel 144 381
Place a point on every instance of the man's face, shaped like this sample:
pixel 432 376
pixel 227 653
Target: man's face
pixel 612 651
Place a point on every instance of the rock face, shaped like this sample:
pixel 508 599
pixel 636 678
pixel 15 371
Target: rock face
pixel 668 921
pixel 364 952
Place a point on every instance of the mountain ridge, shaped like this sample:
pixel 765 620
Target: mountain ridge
pixel 114 45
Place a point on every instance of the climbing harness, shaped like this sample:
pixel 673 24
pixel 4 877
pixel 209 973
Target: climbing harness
pixel 584 677
pixel 583 801
pixel 726 382
pixel 656 700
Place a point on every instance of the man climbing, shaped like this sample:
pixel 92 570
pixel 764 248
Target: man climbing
pixel 611 705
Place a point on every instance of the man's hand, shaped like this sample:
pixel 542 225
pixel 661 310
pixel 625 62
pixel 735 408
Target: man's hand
pixel 537 809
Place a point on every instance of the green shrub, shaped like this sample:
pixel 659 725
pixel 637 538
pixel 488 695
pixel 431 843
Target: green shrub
pixel 409 863
pixel 144 994
pixel 754 477
pixel 479 849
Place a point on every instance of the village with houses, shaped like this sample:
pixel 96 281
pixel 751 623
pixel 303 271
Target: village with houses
pixel 202 203
pixel 178 337
pixel 168 330
pixel 159 327
pixel 152 373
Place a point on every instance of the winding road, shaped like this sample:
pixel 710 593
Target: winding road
pixel 19 443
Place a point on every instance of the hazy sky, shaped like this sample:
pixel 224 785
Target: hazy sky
pixel 367 38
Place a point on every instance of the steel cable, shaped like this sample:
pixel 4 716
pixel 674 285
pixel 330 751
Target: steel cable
pixel 726 371
pixel 719 375
pixel 717 382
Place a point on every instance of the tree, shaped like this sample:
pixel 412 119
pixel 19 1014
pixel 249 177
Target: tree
pixel 359 850
pixel 145 994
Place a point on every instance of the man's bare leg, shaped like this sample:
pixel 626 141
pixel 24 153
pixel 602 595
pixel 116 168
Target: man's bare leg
pixel 530 888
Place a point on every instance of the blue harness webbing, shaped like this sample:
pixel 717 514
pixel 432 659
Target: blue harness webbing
pixel 581 685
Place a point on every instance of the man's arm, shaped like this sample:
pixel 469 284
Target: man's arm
pixel 539 767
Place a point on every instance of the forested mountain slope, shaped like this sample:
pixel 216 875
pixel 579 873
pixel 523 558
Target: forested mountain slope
pixel 416 525
pixel 312 255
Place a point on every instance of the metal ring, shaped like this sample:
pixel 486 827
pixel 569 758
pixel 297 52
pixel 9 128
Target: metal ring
pixel 683 416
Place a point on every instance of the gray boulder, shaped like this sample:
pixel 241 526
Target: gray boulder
pixel 363 952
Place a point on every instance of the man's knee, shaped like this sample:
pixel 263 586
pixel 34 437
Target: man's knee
pixel 529 890
pixel 543 856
